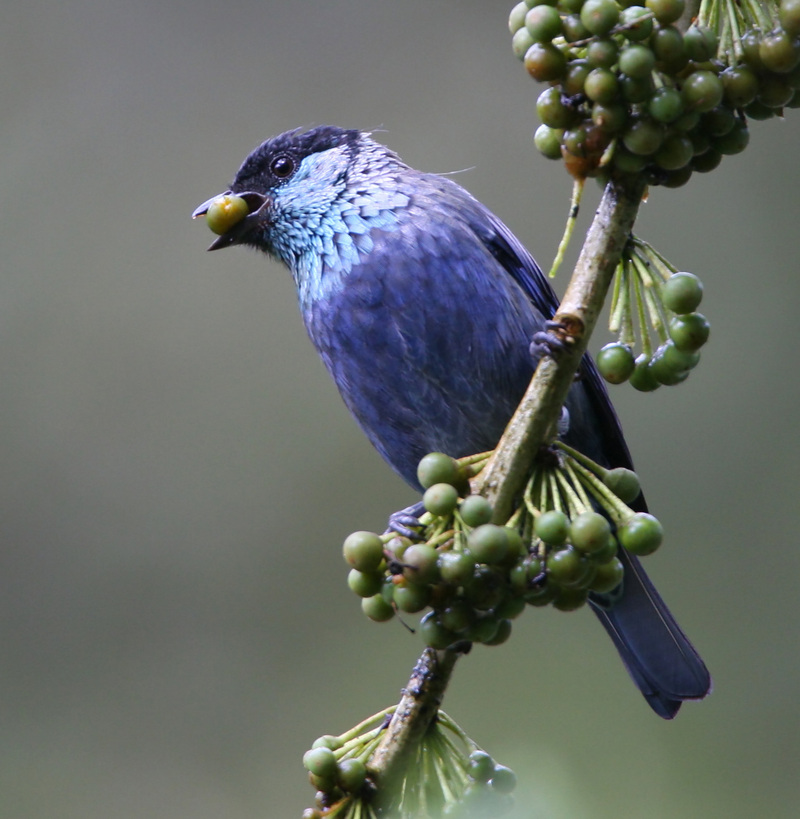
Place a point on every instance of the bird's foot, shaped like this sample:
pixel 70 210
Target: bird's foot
pixel 406 522
pixel 553 341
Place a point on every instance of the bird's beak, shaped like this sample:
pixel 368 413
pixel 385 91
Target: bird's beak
pixel 235 235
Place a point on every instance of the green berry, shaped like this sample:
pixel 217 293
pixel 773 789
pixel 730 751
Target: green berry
pixel 321 762
pixel 637 23
pixel 569 599
pixel 669 49
pixel 600 16
pixel 636 61
pixel 457 616
pixel 676 152
pixel 521 42
pixel 420 564
pixel 574 81
pixel 553 110
pixel 502 633
pixel 543 23
pixel 503 780
pixel 475 510
pixel 364 584
pixel 642 534
pixel 702 91
pixel 608 576
pixel 643 137
pixel 778 51
pixel 707 161
pixel 735 141
pixel 363 551
pixel 225 212
pixel 615 362
pixel 609 118
pixel 624 483
pixel 636 89
pixel 790 16
pixel 552 527
pixel 568 567
pixel 666 105
pixel 668 369
pixel 456 567
pixel 689 332
pixel 480 766
pixel 774 91
pixel 510 608
pixel 643 378
pixel 411 598
pixel 516 19
pixel 486 589
pixel 352 775
pixel 484 629
pixel 666 11
pixel 682 293
pixel 436 467
pixel 434 634
pixel 602 52
pixel 740 85
pixel 377 608
pixel 589 532
pixel 440 499
pixel 574 29
pixel 544 62
pixel 701 43
pixel 601 85
pixel 488 543
pixel 548 141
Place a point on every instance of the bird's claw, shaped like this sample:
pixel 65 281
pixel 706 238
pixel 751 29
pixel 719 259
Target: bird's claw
pixel 552 341
pixel 406 522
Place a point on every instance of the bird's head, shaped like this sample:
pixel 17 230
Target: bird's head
pixel 311 199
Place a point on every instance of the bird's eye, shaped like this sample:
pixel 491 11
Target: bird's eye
pixel 282 166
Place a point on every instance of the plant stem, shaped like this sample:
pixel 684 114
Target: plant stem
pixel 533 425
pixel 505 476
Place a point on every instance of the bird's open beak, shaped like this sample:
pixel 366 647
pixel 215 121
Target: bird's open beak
pixel 236 233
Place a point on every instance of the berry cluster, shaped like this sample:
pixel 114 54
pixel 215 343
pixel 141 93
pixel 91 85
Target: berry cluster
pixel 648 290
pixel 446 775
pixel 477 576
pixel 628 93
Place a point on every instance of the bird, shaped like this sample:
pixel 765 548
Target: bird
pixel 422 305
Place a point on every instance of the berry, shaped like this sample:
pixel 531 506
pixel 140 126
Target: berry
pixel 363 551
pixel 226 211
pixel 636 61
pixel 790 16
pixel 682 293
pixel 702 91
pixel 475 510
pixel 552 527
pixel 437 467
pixel 488 543
pixel 615 362
pixel 599 16
pixel 377 608
pixel 543 23
pixel 778 51
pixel 642 534
pixel 544 62
pixel 364 584
pixel 589 532
pixel 666 11
pixel 548 141
pixel 643 378
pixel 321 762
pixel 440 499
pixel 689 332
pixel 624 483
pixel 608 576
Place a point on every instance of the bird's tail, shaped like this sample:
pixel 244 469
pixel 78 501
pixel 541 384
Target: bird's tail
pixel 658 655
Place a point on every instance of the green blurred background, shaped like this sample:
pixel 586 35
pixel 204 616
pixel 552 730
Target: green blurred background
pixel 178 473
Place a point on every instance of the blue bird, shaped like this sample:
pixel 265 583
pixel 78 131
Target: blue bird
pixel 422 305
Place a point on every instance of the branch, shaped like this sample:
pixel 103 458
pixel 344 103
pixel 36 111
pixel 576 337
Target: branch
pixel 531 427
pixel 534 422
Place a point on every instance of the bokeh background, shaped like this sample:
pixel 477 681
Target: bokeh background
pixel 178 473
